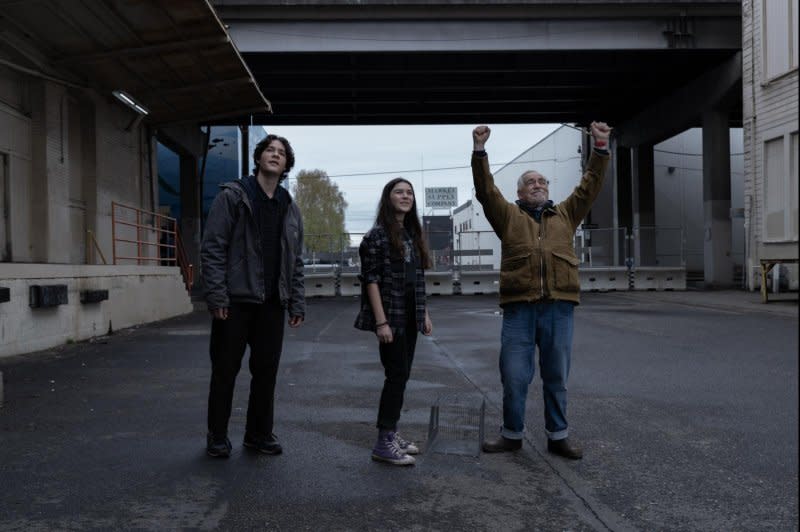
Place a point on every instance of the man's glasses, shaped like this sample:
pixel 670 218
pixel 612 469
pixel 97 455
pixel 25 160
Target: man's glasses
pixel 537 181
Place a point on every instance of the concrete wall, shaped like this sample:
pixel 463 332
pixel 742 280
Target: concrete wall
pixel 678 176
pixel 68 156
pixel 16 152
pixel 137 294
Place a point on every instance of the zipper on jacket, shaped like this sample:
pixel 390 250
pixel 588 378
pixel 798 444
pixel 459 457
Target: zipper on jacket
pixel 541 258
pixel 542 273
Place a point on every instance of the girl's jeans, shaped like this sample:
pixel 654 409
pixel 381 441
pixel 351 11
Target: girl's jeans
pixel 397 358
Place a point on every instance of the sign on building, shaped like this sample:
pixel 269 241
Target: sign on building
pixel 441 197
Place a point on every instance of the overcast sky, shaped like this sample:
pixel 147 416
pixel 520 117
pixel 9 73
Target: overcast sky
pixel 417 153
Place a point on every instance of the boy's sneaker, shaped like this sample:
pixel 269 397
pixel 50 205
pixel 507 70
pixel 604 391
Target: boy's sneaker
pixel 218 446
pixel 406 446
pixel 387 450
pixel 264 445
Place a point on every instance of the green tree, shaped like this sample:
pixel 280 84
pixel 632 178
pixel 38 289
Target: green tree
pixel 322 205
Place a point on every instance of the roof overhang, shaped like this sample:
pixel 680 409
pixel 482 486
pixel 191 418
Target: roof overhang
pixel 175 59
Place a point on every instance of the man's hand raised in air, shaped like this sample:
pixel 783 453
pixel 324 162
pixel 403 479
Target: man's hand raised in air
pixel 479 137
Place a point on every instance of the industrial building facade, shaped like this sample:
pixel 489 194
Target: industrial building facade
pixel 84 105
pixel 770 84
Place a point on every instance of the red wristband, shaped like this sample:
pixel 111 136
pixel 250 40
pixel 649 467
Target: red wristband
pixel 600 143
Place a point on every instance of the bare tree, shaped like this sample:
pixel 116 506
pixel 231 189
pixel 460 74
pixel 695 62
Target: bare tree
pixel 323 206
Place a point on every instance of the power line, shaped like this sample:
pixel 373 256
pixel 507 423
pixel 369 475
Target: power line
pixel 444 168
pixel 464 167
pixel 689 154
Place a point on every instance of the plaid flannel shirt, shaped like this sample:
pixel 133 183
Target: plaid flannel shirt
pixel 379 266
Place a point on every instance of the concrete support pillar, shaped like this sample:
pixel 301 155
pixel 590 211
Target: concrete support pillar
pixel 624 191
pixel 245 157
pixel 603 214
pixel 644 205
pixel 191 209
pixel 610 194
pixel 89 178
pixel 718 265
pixel 42 131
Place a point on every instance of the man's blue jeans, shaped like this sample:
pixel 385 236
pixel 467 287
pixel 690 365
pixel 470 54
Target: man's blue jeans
pixel 525 326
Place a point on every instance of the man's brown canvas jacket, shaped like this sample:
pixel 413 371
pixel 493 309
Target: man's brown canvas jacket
pixel 538 260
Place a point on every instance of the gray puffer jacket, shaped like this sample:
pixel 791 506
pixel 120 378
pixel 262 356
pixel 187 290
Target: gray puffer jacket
pixel 232 266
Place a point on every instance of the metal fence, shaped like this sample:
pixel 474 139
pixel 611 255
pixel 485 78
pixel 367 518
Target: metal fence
pixel 602 246
pixel 480 250
pixel 332 252
pixel 144 237
pixel 659 246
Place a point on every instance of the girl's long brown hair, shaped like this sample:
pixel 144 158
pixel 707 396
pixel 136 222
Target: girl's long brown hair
pixel 386 218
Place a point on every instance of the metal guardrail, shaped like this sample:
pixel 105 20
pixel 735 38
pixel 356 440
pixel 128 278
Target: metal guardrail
pixel 658 246
pixel 602 246
pixel 326 252
pixel 147 237
pixel 480 250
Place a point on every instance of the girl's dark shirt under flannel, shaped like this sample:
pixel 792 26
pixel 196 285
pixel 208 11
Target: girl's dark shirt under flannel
pixel 391 272
pixel 410 261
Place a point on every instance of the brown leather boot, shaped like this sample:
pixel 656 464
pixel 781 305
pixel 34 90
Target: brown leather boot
pixel 501 445
pixel 565 448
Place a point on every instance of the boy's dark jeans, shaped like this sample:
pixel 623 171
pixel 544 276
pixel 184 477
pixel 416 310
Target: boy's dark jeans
pixel 261 327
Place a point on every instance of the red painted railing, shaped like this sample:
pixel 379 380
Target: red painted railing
pixel 148 237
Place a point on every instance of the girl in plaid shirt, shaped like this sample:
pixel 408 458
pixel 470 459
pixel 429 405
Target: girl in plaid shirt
pixel 394 256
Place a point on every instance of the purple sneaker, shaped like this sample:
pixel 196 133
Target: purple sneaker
pixel 387 450
pixel 406 446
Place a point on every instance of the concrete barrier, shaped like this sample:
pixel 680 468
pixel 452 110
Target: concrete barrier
pixel 136 295
pixel 439 283
pixel 659 278
pixel 480 282
pixel 320 284
pixel 597 279
pixel 349 284
pixel 604 278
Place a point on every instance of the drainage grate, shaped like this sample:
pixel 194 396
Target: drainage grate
pixel 456 424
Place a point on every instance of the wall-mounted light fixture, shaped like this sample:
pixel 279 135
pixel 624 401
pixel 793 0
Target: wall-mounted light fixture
pixel 128 100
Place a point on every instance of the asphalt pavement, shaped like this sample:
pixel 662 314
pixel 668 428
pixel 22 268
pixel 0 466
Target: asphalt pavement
pixel 686 405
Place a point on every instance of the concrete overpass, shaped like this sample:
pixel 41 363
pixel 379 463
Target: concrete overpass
pixel 378 62
pixel 651 68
